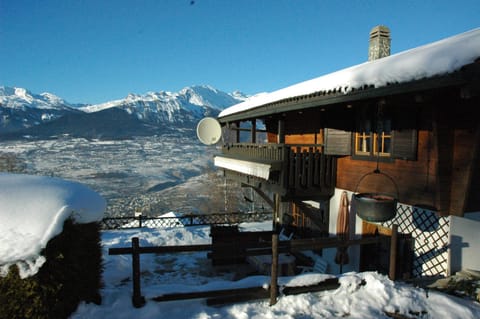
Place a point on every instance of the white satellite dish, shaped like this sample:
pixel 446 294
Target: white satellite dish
pixel 209 131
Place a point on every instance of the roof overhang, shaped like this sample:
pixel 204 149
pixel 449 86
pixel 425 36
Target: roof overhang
pixel 467 75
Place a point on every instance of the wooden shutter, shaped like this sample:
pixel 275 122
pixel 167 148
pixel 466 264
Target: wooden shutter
pixel 338 142
pixel 404 144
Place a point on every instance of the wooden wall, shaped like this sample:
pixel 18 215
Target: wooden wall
pixel 415 180
pixel 443 177
pixel 308 138
pixel 465 187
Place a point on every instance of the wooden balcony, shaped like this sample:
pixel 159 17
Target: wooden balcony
pixel 296 171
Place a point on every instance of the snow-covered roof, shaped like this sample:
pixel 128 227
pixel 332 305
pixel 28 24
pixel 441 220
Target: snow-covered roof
pixel 33 210
pixel 434 59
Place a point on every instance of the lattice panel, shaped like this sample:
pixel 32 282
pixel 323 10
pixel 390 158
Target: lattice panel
pixel 430 233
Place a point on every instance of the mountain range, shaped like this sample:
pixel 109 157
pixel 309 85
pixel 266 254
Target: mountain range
pixel 25 114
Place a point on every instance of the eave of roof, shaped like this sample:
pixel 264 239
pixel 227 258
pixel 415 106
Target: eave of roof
pixel 329 99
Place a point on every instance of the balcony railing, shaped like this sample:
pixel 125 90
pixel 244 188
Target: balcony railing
pixel 309 167
pixel 303 167
pixel 252 151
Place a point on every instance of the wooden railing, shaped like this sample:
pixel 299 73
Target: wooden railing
pixel 304 166
pixel 269 151
pixel 309 167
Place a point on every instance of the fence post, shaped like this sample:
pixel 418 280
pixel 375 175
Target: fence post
pixel 274 272
pixel 393 252
pixel 137 299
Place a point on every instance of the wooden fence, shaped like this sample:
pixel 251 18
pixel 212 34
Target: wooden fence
pixel 243 249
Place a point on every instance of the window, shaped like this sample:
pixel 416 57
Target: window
pixel 369 143
pixel 365 144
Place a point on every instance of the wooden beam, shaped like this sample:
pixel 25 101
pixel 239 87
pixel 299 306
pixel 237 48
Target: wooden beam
pixel 311 212
pixel 262 248
pixel 327 284
pixel 262 195
pixel 281 131
pixel 159 250
pixel 224 296
pixel 442 153
pixel 234 293
pixel 237 132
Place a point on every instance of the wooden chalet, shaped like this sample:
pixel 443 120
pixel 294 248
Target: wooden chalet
pixel 411 116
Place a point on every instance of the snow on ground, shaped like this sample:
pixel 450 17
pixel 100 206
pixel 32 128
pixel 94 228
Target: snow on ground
pixel 188 272
pixel 33 210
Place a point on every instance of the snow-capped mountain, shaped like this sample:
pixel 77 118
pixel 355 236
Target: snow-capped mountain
pixel 20 98
pixel 183 107
pixel 20 109
pixel 25 113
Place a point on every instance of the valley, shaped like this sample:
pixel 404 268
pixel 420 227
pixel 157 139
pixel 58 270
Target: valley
pixel 151 174
pixel 140 153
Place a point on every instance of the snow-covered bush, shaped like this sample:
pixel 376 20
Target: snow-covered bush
pixel 50 251
pixel 71 274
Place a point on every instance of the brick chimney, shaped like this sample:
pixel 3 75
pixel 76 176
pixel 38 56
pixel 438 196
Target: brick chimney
pixel 379 44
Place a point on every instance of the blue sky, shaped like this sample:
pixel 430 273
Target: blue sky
pixel 94 51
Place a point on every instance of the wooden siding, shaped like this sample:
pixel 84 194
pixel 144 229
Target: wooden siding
pixel 442 177
pixel 315 138
pixel 415 180
pixel 443 174
pixel 465 162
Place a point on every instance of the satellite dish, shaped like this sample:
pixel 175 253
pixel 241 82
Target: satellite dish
pixel 209 131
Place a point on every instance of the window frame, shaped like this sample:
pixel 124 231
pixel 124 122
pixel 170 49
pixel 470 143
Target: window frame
pixel 373 140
